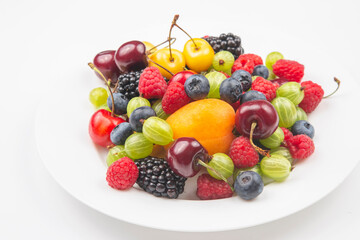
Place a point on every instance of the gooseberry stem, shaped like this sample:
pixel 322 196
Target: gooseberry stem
pixel 107 82
pixel 258 149
pixel 338 85
pixel 216 172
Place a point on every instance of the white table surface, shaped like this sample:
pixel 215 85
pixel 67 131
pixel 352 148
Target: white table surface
pixel 34 206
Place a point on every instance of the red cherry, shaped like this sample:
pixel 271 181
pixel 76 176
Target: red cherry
pixel 235 105
pixel 260 112
pixel 105 62
pixel 131 56
pixel 225 74
pixel 184 154
pixel 100 126
pixel 279 81
pixel 181 76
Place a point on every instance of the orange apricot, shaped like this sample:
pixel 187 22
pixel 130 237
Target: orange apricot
pixel 210 121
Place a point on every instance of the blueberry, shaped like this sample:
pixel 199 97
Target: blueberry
pixel 197 87
pixel 248 185
pixel 138 115
pixel 303 127
pixel 251 95
pixel 120 133
pixel 230 90
pixel 244 77
pixel 261 70
pixel 120 103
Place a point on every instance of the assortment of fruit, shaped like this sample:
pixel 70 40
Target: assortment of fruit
pixel 209 110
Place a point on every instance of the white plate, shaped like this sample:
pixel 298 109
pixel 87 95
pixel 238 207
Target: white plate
pixel 79 166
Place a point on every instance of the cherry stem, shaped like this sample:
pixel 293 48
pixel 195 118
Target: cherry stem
pixel 148 52
pixel 116 85
pixel 107 82
pixel 216 172
pixel 196 47
pixel 338 85
pixel 172 74
pixel 258 149
pixel 176 17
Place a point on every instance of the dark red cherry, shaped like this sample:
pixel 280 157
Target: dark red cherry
pixel 184 154
pixel 131 56
pixel 105 62
pixel 262 113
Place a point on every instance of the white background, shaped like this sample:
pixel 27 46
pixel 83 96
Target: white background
pixel 34 206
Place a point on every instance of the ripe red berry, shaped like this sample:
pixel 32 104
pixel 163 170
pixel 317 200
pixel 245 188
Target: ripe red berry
pixel 243 64
pixel 300 146
pixel 122 174
pixel 291 70
pixel 210 188
pixel 287 133
pixel 242 153
pixel 313 94
pixel 265 86
pixel 255 58
pixel 175 97
pixel 152 84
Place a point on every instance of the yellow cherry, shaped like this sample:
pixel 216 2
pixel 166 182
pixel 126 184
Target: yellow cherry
pixel 198 55
pixel 149 46
pixel 162 57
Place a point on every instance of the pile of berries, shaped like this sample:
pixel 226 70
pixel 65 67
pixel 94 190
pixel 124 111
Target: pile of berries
pixel 242 121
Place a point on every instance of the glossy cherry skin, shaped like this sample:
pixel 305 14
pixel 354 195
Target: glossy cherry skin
pixel 105 62
pixel 183 156
pixel 162 57
pixel 131 56
pixel 181 76
pixel 100 126
pixel 198 57
pixel 259 111
pixel 279 81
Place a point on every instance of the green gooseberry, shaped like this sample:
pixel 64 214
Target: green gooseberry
pixel 157 131
pixel 222 164
pixel 292 91
pixel 286 111
pixel 274 140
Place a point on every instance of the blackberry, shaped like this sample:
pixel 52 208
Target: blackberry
pixel 157 178
pixel 228 42
pixel 128 84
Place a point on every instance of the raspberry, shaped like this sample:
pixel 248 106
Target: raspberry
pixel 300 146
pixel 242 153
pixel 243 64
pixel 313 93
pixel 291 70
pixel 255 58
pixel 174 98
pixel 122 174
pixel 287 133
pixel 265 86
pixel 152 84
pixel 210 188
